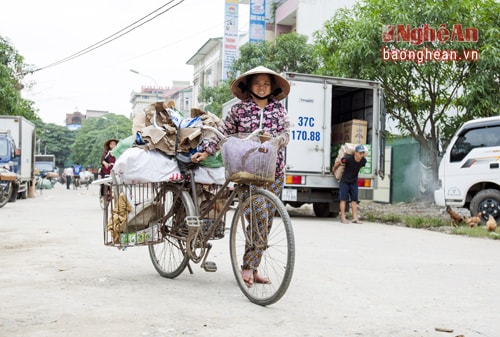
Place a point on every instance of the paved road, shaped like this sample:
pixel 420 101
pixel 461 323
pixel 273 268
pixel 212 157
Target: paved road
pixel 58 279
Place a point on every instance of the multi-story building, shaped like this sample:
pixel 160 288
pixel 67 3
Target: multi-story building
pixel 207 63
pixel 179 92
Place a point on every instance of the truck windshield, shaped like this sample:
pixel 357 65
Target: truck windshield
pixel 474 138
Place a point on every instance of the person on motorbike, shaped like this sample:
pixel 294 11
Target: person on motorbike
pixel 77 169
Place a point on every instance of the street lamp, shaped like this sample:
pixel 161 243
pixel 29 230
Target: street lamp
pixel 151 78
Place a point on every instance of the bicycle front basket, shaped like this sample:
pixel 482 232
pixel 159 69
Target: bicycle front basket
pixel 248 160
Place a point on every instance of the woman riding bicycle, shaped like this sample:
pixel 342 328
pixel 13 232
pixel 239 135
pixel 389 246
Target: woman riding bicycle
pixel 260 91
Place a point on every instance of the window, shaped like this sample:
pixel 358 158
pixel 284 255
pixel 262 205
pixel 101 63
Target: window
pixel 474 138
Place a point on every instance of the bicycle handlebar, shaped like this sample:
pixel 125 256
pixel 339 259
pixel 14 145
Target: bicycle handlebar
pixel 223 136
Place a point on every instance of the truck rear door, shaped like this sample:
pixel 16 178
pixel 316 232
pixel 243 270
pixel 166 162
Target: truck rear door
pixel 309 146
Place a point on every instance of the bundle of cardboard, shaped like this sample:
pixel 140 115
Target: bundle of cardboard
pixel 345 149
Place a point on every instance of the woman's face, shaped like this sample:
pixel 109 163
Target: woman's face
pixel 261 85
pixel 112 145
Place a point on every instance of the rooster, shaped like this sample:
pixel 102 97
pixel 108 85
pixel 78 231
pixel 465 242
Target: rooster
pixel 455 218
pixel 473 221
pixel 491 224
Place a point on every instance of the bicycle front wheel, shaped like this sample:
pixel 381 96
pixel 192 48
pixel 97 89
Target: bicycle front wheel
pixel 169 256
pixel 261 231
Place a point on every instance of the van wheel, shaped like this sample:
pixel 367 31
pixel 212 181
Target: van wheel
pixel 487 202
pixel 321 210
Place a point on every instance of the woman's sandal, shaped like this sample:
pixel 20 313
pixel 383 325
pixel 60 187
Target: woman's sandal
pixel 356 221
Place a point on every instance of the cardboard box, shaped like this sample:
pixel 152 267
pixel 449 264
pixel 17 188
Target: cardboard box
pixel 355 131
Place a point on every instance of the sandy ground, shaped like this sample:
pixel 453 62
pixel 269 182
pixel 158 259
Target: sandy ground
pixel 58 279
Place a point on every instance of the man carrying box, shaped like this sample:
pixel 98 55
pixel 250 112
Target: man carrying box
pixel 348 186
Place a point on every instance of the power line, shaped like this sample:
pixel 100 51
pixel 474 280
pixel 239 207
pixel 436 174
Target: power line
pixel 114 36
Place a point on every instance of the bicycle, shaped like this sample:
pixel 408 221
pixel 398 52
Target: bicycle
pixel 177 221
pixel 76 182
pixel 105 195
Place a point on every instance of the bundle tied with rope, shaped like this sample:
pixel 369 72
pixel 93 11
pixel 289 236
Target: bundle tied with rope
pixel 165 129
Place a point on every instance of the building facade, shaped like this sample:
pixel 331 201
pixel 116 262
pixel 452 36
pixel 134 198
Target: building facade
pixel 180 92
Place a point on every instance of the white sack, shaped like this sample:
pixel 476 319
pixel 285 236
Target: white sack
pixel 136 165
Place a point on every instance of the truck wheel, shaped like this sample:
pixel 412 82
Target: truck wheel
pixel 487 202
pixel 5 193
pixel 23 195
pixel 13 193
pixel 321 210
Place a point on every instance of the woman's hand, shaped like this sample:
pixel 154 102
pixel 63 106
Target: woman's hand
pixel 199 156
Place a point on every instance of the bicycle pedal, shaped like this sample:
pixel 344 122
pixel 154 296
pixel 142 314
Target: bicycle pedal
pixel 209 266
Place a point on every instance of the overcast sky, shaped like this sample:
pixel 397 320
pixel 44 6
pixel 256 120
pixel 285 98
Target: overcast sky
pixel 45 32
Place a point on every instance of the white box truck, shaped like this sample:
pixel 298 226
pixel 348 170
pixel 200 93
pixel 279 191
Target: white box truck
pixel 19 133
pixel 317 106
pixel 320 107
pixel 469 172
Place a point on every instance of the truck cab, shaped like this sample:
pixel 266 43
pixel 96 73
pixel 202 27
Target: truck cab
pixel 9 156
pixel 469 172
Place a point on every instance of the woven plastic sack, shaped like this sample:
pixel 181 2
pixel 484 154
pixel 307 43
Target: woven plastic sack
pixel 247 160
pixel 136 165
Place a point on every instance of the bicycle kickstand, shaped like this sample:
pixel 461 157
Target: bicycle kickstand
pixel 208 265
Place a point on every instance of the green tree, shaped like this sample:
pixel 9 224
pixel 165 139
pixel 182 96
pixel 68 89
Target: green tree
pixel 251 55
pixel 12 71
pixel 54 139
pixel 88 146
pixel 428 99
pixel 290 52
pixel 215 97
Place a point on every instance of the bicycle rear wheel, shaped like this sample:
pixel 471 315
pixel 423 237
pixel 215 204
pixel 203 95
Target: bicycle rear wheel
pixel 262 223
pixel 169 257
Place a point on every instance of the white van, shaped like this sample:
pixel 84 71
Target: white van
pixel 469 173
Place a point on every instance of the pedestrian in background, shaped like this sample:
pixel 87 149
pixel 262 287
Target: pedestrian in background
pixel 348 189
pixel 68 175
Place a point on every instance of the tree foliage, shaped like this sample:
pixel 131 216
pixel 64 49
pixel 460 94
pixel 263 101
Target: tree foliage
pixel 215 97
pixel 427 99
pixel 54 139
pixel 12 70
pixel 88 146
pixel 290 52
